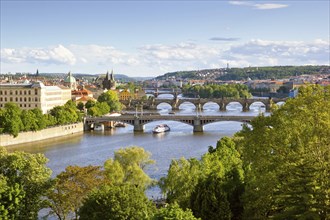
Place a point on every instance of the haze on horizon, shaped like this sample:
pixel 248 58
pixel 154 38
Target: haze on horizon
pixel 146 38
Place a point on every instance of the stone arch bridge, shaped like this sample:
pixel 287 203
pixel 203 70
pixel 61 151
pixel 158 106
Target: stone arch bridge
pixel 152 103
pixel 138 122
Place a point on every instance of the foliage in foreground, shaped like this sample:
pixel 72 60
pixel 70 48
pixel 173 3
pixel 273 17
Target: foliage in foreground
pixel 116 203
pixel 24 179
pixel 287 159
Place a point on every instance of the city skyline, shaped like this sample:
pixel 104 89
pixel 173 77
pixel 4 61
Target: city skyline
pixel 146 38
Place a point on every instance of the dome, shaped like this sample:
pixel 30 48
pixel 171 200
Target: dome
pixel 70 78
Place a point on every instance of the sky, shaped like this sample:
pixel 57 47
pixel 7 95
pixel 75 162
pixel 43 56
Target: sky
pixel 151 38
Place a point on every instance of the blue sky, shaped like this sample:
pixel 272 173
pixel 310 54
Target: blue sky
pixel 150 38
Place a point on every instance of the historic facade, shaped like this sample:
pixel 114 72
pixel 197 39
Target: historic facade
pixel 34 95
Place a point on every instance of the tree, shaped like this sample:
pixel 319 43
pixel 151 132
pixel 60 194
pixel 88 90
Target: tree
pixel 29 120
pixel 42 120
pixel 89 104
pixel 111 98
pixel 117 203
pixel 10 199
pixel 128 167
pixel 209 200
pixel 11 119
pixel 173 211
pixel 181 179
pixel 223 171
pixel 71 187
pixel 80 106
pixel 287 159
pixel 27 179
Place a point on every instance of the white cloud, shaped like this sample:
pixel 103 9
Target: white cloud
pixel 269 6
pixel 51 55
pixel 264 6
pixel 104 55
pixel 267 53
pixel 156 59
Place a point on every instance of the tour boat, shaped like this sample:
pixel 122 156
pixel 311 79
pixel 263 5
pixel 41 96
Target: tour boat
pixel 161 128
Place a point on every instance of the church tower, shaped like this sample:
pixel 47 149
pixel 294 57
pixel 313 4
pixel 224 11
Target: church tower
pixel 109 82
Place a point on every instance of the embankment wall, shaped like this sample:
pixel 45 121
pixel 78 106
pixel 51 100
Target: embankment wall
pixel 31 136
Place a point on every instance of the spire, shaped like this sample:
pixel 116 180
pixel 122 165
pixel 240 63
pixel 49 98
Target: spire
pixel 112 76
pixel 107 76
pixel 37 73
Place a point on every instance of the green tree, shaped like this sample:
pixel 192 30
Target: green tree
pixel 27 178
pixel 80 106
pixel 222 167
pixel 287 159
pixel 11 119
pixel 181 179
pixel 29 120
pixel 117 203
pixel 209 200
pixel 11 197
pixel 42 120
pixel 111 98
pixel 89 104
pixel 173 211
pixel 128 167
pixel 71 187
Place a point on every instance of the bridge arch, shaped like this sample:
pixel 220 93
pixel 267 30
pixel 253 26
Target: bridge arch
pixel 258 106
pixel 185 102
pixel 234 105
pixel 167 105
pixel 165 96
pixel 210 104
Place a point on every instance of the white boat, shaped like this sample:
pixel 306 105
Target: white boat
pixel 161 128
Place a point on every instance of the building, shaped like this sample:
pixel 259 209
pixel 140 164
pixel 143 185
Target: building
pixel 125 95
pixel 81 92
pixel 70 82
pixel 109 82
pixel 34 95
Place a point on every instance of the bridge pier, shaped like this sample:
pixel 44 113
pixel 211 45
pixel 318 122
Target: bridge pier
pixel 138 126
pixel 198 127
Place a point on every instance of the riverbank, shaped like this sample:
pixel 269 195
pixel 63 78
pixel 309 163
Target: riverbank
pixel 45 134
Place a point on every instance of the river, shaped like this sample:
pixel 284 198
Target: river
pixel 95 147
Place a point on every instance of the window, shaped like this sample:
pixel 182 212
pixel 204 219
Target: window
pixel 25 99
pixel 29 92
pixel 20 99
pixel 5 92
pixel 11 99
pixel 16 99
pixel 20 92
pixel 0 92
pixel 29 99
pixel 24 92
pixel 36 99
pixel 0 99
pixel 5 99
pixel 36 91
pixel 16 92
pixel 10 92
pixel 36 105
